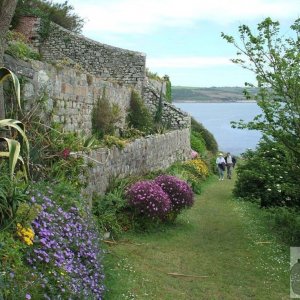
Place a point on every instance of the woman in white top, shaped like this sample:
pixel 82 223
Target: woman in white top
pixel 220 161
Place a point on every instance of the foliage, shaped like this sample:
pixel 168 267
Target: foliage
pixel 275 60
pixel 19 48
pixel 210 142
pixel 152 75
pixel 55 153
pixel 19 144
pixel 11 195
pixel 197 142
pixel 269 175
pixel 15 274
pixel 197 167
pixel 139 116
pixel 168 90
pixel 110 140
pixel 131 133
pixel 59 13
pixel 105 116
pixel 186 173
pixel 159 109
pixel 148 199
pixel 180 193
pixel 111 209
pixel 287 224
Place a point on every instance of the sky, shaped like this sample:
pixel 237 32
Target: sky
pixel 182 39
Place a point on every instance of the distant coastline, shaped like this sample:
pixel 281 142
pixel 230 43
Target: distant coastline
pixel 213 101
pixel 212 94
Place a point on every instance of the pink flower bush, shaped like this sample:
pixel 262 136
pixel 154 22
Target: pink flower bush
pixel 179 191
pixel 148 199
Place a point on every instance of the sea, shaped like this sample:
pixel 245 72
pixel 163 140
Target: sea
pixel 216 117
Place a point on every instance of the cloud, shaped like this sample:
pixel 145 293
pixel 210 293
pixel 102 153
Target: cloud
pixel 187 62
pixel 135 16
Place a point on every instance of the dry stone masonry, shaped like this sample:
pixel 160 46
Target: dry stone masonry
pixel 107 62
pixel 170 113
pixel 69 95
pixel 152 153
pixel 81 71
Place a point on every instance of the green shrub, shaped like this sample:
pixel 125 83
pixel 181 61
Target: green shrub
pixel 110 141
pixel 131 133
pixel 21 50
pixel 111 209
pixel 210 142
pixel 168 90
pixel 15 274
pixel 287 224
pixel 269 175
pixel 11 195
pixel 105 116
pixel 198 143
pixel 139 116
pixel 59 13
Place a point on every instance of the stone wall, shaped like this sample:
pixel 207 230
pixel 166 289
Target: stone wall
pixel 107 62
pixel 176 118
pixel 69 95
pixel 29 27
pixel 154 152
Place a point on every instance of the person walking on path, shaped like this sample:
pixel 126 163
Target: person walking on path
pixel 221 163
pixel 229 164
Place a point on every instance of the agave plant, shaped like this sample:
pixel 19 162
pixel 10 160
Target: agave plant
pixel 14 145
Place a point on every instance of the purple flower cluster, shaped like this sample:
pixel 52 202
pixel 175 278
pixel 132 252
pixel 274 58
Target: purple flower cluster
pixel 67 250
pixel 148 199
pixel 166 194
pixel 179 191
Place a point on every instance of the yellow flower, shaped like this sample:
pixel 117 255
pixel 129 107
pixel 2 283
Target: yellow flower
pixel 198 167
pixel 25 234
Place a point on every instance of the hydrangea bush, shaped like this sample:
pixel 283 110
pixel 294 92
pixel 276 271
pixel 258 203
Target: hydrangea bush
pixel 66 253
pixel 148 199
pixel 180 193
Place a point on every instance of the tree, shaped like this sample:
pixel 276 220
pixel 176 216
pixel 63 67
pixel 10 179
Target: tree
pixel 7 9
pixel 59 13
pixel 275 60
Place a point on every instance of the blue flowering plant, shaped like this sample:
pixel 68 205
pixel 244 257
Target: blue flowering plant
pixel 66 253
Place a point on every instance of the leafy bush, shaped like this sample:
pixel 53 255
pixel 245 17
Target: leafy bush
pixel 180 193
pixel 131 133
pixel 168 90
pixel 11 195
pixel 110 140
pixel 287 224
pixel 148 199
pixel 139 116
pixel 105 116
pixel 269 175
pixel 59 13
pixel 210 142
pixel 18 47
pixel 109 210
pixel 198 143
pixel 15 273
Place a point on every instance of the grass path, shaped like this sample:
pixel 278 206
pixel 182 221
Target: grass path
pixel 221 239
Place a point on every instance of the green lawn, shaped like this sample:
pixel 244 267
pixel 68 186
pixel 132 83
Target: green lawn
pixel 222 245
